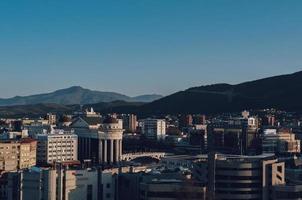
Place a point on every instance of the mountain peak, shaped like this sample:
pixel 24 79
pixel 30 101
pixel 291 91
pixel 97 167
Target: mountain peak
pixel 75 88
pixel 74 95
pixel 72 88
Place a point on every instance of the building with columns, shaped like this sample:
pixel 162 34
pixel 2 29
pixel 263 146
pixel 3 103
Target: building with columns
pixel 103 145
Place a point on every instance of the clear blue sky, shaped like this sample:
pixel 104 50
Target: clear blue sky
pixel 145 46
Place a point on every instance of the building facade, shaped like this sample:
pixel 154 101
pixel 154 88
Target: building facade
pixel 236 136
pixel 59 184
pixel 129 123
pixel 57 146
pixel 171 189
pixel 154 129
pixel 243 177
pixel 102 145
pixel 17 154
pixel 280 142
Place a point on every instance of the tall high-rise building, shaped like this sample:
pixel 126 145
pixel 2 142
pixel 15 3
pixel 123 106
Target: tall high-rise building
pixel 129 123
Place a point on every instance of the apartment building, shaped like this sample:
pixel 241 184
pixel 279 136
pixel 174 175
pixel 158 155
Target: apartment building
pixel 154 128
pixel 57 146
pixel 280 142
pixel 17 154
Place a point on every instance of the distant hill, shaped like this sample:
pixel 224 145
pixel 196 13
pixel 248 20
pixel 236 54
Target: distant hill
pixel 36 110
pixel 146 98
pixel 116 106
pixel 75 95
pixel 281 92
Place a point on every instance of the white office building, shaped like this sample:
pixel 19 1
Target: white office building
pixel 57 146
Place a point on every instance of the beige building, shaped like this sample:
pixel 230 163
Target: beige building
pixel 63 182
pixel 51 184
pixel 280 142
pixel 17 154
pixel 52 118
pixel 293 187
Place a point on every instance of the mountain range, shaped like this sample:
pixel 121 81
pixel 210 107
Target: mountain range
pixel 280 92
pixel 75 95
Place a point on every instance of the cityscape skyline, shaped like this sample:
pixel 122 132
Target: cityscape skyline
pixel 139 47
pixel 151 100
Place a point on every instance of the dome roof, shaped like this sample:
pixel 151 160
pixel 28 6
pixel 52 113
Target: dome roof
pixel 110 120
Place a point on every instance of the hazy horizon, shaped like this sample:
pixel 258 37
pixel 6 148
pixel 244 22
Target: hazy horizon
pixel 138 94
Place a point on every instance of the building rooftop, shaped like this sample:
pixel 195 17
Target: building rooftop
pixel 92 120
pixel 110 120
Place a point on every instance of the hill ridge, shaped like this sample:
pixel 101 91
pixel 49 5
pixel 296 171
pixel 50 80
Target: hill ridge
pixel 74 95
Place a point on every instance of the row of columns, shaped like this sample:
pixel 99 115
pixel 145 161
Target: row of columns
pixel 84 151
pixel 110 151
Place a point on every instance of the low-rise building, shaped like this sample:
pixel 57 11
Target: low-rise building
pixel 171 189
pixel 159 184
pixel 65 181
pixel 280 142
pixel 59 184
pixel 287 192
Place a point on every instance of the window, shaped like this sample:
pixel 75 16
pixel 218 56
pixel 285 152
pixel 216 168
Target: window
pixel 89 192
